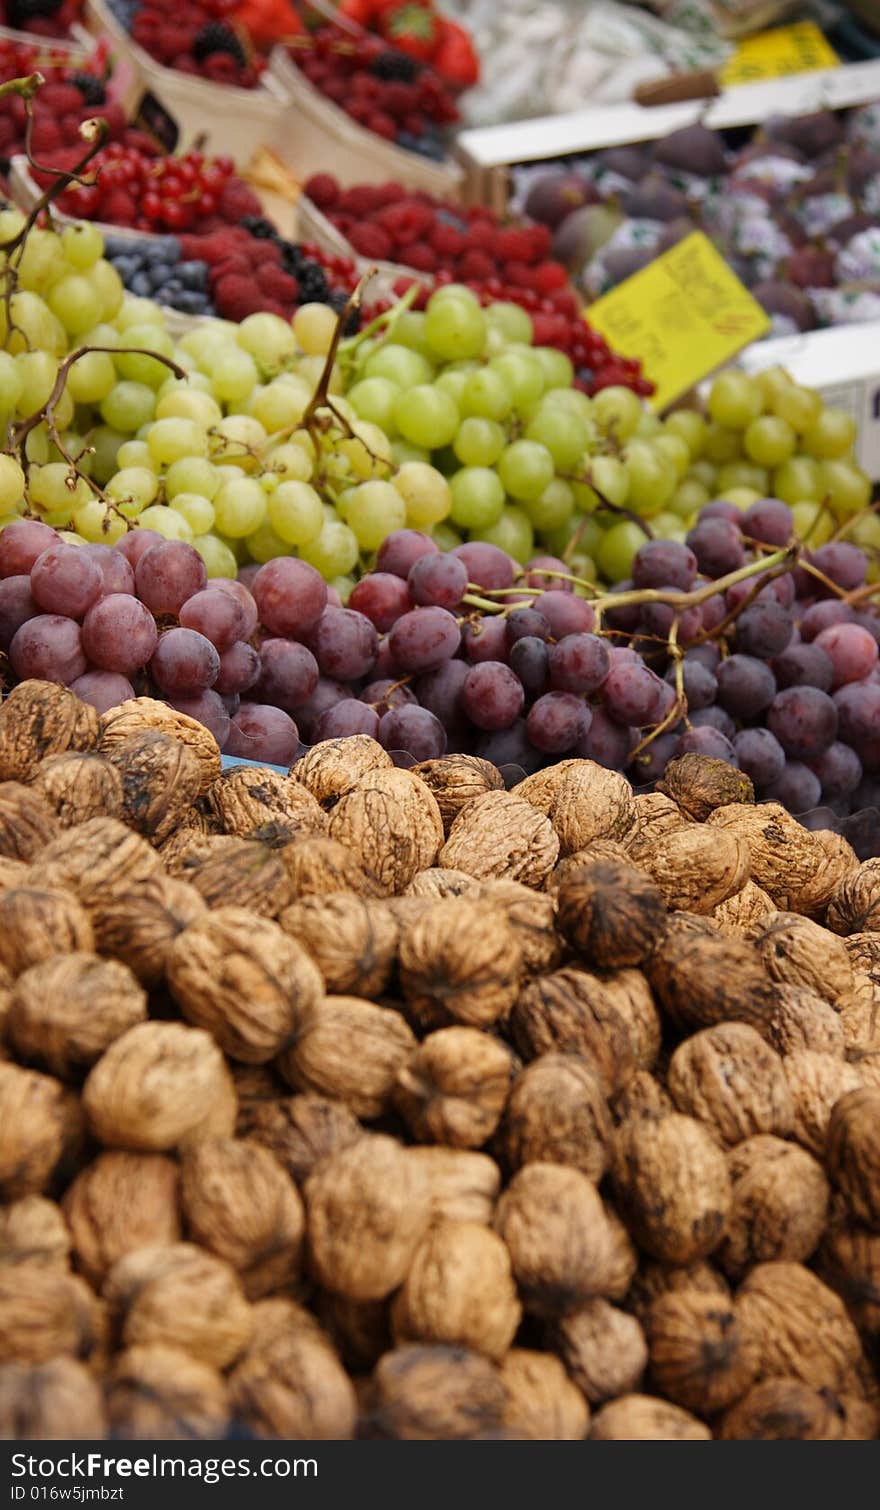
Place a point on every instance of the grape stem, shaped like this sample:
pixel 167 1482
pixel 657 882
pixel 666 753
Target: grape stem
pixel 679 708
pixel 681 600
pixel 384 322
pixel 586 480
pixel 320 399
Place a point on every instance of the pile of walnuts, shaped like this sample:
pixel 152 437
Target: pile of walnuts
pixel 389 1103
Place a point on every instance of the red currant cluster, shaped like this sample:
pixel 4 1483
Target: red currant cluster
pixel 197 38
pixel 71 94
pixel 151 193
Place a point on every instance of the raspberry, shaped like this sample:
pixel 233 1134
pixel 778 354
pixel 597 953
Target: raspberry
pixel 541 240
pixel 513 245
pixel 118 207
pixel 387 194
pixel 476 267
pixel 446 240
pixel 358 201
pixel 480 236
pixel 236 199
pixel 278 285
pixel 519 274
pixel 371 241
pixel 61 99
pixel 422 257
pixel 264 253
pixel 382 125
pixel 565 301
pixel 323 190
pixel 46 136
pixel 550 276
pixel 236 297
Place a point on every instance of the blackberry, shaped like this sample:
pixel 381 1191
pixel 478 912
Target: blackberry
pixel 397 66
pixel 91 89
pixel 19 12
pixel 215 37
pixel 264 230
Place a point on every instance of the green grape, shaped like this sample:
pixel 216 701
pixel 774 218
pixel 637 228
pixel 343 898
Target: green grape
pixel 584 568
pixel 374 399
pixel 743 498
pixel 314 326
pixel 589 532
pixel 427 416
pixel 554 508
pixel 195 381
pixel 296 513
pixel 617 412
pixel 400 365
pixel 64 411
pixel 455 291
pixel 36 446
pixel 109 287
pixel 133 488
pixel 478 442
pixel 454 327
pixel 91 378
pixel 41 260
pixel 37 371
pixel 403 451
pixel 485 395
pixel 144 369
pixel 335 552
pixel 522 374
pixel 845 487
pixel 742 474
pixel 734 400
pixel 235 439
pixel 409 330
pixel 512 533
pixel 48 487
pixel 219 559
pixel 652 478
pixel 10 384
pixel 103 335
pixel 192 474
pixel 82 244
pixel 167 522
pixel 234 375
pixel 565 436
pixel 477 498
pixel 175 439
pixel 197 510
pixel 97 523
pixel 771 382
pixel 769 440
pixel 453 383
pixel 611 477
pixel 240 507
pixel 798 480
pixel 425 492
pixel 76 303
pixel 269 340
pixel 721 444
pixel 800 407
pixel 668 526
pixel 375 510
pixel 615 550
pixel 675 449
pixel 831 435
pixel 105 443
pixel 689 497
pixel 572 401
pixel 865 532
pixel 368 451
pixel 264 545
pixel 558 368
pixel 73 444
pixel 813 523
pixel 70 537
pixel 290 463
pixel 513 323
pixel 649 426
pixel 691 427
pixel 135 312
pixel 311 371
pixel 344 586
pixel 129 405
pixel 526 469
pixel 186 402
pixel 445 537
pixel 11 482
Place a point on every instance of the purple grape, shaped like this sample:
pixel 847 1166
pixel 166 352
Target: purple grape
pixel 49 648
pixel 382 597
pixel 664 563
pixel 413 730
pixel 488 566
pixel 208 709
pixel 764 629
pixel 215 614
pixel 230 700
pixel 579 663
pixel 566 613
pixel 346 718
pixel 437 581
pixel 867 793
pixel 440 692
pixel 239 669
pixel 326 695
pixel 530 659
pixel 804 720
pixel 713 718
pixel 657 620
pixel 852 651
pixel 492 697
pixel 344 644
pixel 650 765
pixel 717 545
pixel 770 521
pixel 858 710
pixel 118 573
pixel 544 571
pixel 184 663
pixel 102 689
pixel 626 618
pixel 386 694
pixel 16 605
pixel 261 733
pixel 526 622
pixel 719 508
pixel 485 639
pixel 245 600
pixel 700 684
pixel 706 741
pixel 707 655
pixel 290 596
pixel 822 615
pixel 65 581
pixel 22 542
pixel 843 563
pixel 423 639
pixel 401 549
pixel 871 622
pixel 607 743
pixel 135 544
pixel 167 574
pixel 288 674
pixel 557 722
pixel 797 788
pixel 511 748
pixel 247 575
pixel 803 666
pixel 746 686
pixel 633 694
pixel 760 755
pixel 713 612
pixel 119 634
pixel 838 769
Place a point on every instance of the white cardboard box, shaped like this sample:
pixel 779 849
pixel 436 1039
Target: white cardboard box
pixel 844 366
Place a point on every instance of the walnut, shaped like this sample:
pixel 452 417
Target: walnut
pixel 188 846
pixel 859 1015
pixel 786 1410
pixel 672 1186
pixel 119 1202
pixel 180 1295
pixel 583 801
pixel 780 1205
pixel 294 1387
pixel 532 916
pixel 436 1393
pixel 551 1218
pixel 66 1011
pixel 351 1050
pixel 52 1401
pixel 849 1261
pixel 839 860
pixel 654 1280
pixel 352 941
pixel 458 963
pixel 599 852
pixel 603 1349
pixel 628 992
pixel 541 1403
pixel 803 1020
pixel 459 1290
pixel 37 922
pixel 13 872
pixel 623 1260
pixel 368 1207
pixel 456 780
pixel 696 867
pixel 319 867
pixel 462 1185
pixel 39 718
pixel 302 1130
pixel 231 872
pixel 360 1330
pixel 241 977
pixel 42 1131
pixel 392 822
pixel 242 1206
pixel 78 786
pixel 140 715
pixel 557 1114
pixel 335 767
pixel 732 1081
pixel 816 1082
pixel 654 816
pixel 572 1012
pixel 160 1392
pixel 642 1096
pixel 27 822
pixel 158 1087
pixel 745 913
pixel 702 978
pixel 452 1089
pixel 245 799
pixel 437 882
pixel 800 953
pixel 864 952
pixel 784 855
pixel 698 784
pixel 610 913
pixel 800 1326
pixel 853 1153
pixel 855 903
pixel 140 926
pixel 255 1084
pixel 160 779
pixel 44 1313
pixel 278 1316
pixel 97 860
pixel 32 1230
pixel 643 1418
pixel 702 1357
pixel 501 836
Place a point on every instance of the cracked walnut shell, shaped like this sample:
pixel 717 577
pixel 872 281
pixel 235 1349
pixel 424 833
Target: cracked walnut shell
pixel 119 1202
pixel 157 1392
pixel 603 1348
pixel 368 1207
pixel 77 786
pixel 334 767
pixel 43 1130
pixel 501 836
pixel 247 798
pixel 44 1313
pixel 27 822
pixel 141 715
pixel 609 913
pixel 459 964
pixel 456 780
pixel 453 1087
pixel 583 802
pixel 182 1296
pixel 696 868
pixel 352 940
pixel 158 1087
pixel 779 1207
pixel 351 1050
pixel 161 778
pixel 37 922
pixel 552 1220
pixel 556 1113
pixel 541 1403
pixel 672 1186
pixel 301 1131
pixel 32 1230
pixel 435 1393
pixel 66 1011
pixel 855 905
pixel 39 718
pixel 242 1206
pixel 459 1290
pixel 243 979
pixel 54 1401
pixel 392 822
pixel 731 1081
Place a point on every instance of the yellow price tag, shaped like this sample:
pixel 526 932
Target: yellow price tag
pixel 683 316
pixel 801 48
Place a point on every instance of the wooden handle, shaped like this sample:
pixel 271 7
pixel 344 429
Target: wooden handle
pixel 702 85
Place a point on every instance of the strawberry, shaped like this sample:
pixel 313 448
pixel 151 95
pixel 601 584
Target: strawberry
pixel 411 27
pixel 455 56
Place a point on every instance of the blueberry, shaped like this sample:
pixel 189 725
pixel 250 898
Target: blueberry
pixel 193 274
pixel 141 285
